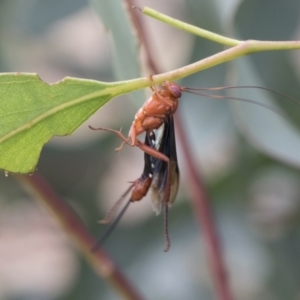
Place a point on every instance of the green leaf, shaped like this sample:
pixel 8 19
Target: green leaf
pixel 32 112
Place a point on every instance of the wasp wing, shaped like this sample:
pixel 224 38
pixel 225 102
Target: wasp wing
pixel 167 146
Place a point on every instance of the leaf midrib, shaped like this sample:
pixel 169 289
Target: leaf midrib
pixel 51 112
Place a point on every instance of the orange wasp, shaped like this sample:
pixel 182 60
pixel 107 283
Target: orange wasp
pixel 152 115
pixel 160 159
pixel 154 176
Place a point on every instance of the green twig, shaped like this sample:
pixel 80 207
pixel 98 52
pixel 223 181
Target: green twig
pixel 244 48
pixel 190 28
pixel 238 49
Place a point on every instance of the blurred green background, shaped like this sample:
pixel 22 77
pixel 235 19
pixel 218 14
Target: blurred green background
pixel 248 155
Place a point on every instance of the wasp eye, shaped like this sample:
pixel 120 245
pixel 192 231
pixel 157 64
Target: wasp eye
pixel 175 89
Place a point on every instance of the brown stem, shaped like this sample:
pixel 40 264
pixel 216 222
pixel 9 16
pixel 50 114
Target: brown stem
pixel 204 216
pixel 198 193
pixel 99 260
pixel 140 28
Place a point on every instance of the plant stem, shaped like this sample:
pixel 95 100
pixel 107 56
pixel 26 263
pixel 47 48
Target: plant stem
pixel 244 48
pixel 257 46
pixel 190 28
pixel 75 228
pixel 204 216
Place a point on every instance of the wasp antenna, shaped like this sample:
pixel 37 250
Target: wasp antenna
pixel 240 99
pixel 221 88
pixel 111 228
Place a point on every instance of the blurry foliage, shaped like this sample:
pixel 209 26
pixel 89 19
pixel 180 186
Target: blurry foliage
pixel 256 197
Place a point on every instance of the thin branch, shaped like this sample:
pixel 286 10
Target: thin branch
pixel 190 28
pixel 217 38
pixel 244 48
pixel 204 216
pixel 140 28
pixel 69 220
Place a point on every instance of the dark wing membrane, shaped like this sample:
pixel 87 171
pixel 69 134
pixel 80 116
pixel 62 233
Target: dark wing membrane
pixel 142 184
pixel 167 146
